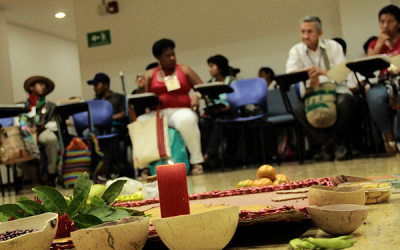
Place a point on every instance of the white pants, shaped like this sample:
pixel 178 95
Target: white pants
pixel 185 121
pixel 50 142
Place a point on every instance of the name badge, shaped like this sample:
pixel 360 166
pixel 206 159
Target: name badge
pixel 172 83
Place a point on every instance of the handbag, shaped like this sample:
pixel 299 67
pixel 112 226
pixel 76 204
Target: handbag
pixel 76 159
pixel 12 146
pixel 320 104
pixel 320 101
pixel 150 140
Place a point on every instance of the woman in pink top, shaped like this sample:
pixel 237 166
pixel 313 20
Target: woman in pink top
pixel 172 82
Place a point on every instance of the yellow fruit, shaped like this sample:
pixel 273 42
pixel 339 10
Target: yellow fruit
pixel 266 171
pixel 245 183
pixel 281 178
pixel 262 182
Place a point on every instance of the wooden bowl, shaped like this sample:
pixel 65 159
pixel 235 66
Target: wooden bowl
pixel 338 219
pixel 324 195
pixel 209 230
pixel 127 233
pixel 46 224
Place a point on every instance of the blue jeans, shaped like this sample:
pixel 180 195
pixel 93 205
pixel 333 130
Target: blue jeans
pixel 378 103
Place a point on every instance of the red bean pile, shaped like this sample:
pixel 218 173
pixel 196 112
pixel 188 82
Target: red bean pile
pixel 237 191
pixel 13 234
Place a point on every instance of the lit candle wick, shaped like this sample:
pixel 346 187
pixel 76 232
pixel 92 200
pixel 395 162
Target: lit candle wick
pixel 170 162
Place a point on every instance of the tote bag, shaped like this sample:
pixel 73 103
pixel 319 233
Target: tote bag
pixel 150 140
pixel 12 146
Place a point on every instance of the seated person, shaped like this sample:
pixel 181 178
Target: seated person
pixel 171 82
pixel 41 113
pixel 309 55
pixel 268 74
pixel 210 130
pixel 379 102
pixel 140 109
pixel 101 86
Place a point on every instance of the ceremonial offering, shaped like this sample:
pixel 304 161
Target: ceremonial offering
pixel 375 192
pixel 338 219
pixel 41 232
pixel 323 196
pixel 127 233
pixel 208 230
pixel 173 190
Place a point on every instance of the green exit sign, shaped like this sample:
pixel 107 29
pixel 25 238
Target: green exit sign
pixel 99 38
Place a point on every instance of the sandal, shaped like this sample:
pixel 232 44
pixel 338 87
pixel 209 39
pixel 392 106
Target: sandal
pixel 390 144
pixel 197 169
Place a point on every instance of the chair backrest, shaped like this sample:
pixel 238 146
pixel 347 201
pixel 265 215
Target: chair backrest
pixel 101 112
pixel 7 122
pixel 276 106
pixel 248 91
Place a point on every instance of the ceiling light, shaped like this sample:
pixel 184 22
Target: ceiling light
pixel 60 15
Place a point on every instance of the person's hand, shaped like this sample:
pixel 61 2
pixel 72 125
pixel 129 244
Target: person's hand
pixel 313 75
pixel 338 179
pixel 383 38
pixel 140 81
pixel 195 103
pixel 315 71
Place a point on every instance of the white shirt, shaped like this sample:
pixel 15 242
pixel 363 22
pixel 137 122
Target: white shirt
pixel 301 57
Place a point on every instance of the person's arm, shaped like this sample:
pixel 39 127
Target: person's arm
pixel 119 116
pixel 194 79
pixel 143 82
pixel 375 50
pixel 294 64
pixel 121 107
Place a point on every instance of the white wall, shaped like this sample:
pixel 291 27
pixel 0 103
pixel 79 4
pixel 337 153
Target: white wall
pixel 35 53
pixel 251 34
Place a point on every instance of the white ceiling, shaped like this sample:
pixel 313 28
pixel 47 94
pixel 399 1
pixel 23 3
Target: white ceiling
pixel 39 15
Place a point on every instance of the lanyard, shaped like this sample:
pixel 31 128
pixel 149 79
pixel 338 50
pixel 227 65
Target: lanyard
pixel 312 61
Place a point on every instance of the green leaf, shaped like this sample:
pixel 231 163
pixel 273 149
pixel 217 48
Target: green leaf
pixel 79 201
pixel 51 198
pixel 14 209
pixel 113 191
pixel 33 207
pixel 131 211
pixel 117 215
pixel 96 201
pixel 4 216
pixel 26 214
pixel 86 220
pixel 82 183
pixel 100 212
pixel 23 198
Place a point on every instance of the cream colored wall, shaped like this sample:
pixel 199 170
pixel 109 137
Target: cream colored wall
pixel 5 69
pixel 35 53
pixel 251 33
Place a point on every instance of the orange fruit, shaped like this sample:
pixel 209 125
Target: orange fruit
pixel 281 178
pixel 245 183
pixel 262 182
pixel 266 171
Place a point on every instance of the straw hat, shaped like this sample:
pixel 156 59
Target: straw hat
pixel 34 79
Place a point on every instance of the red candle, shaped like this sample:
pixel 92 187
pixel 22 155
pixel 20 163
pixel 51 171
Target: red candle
pixel 173 190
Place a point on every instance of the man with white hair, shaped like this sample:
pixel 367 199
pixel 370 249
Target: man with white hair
pixel 317 56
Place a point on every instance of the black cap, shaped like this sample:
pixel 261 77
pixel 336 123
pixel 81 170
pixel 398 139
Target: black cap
pixel 99 77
